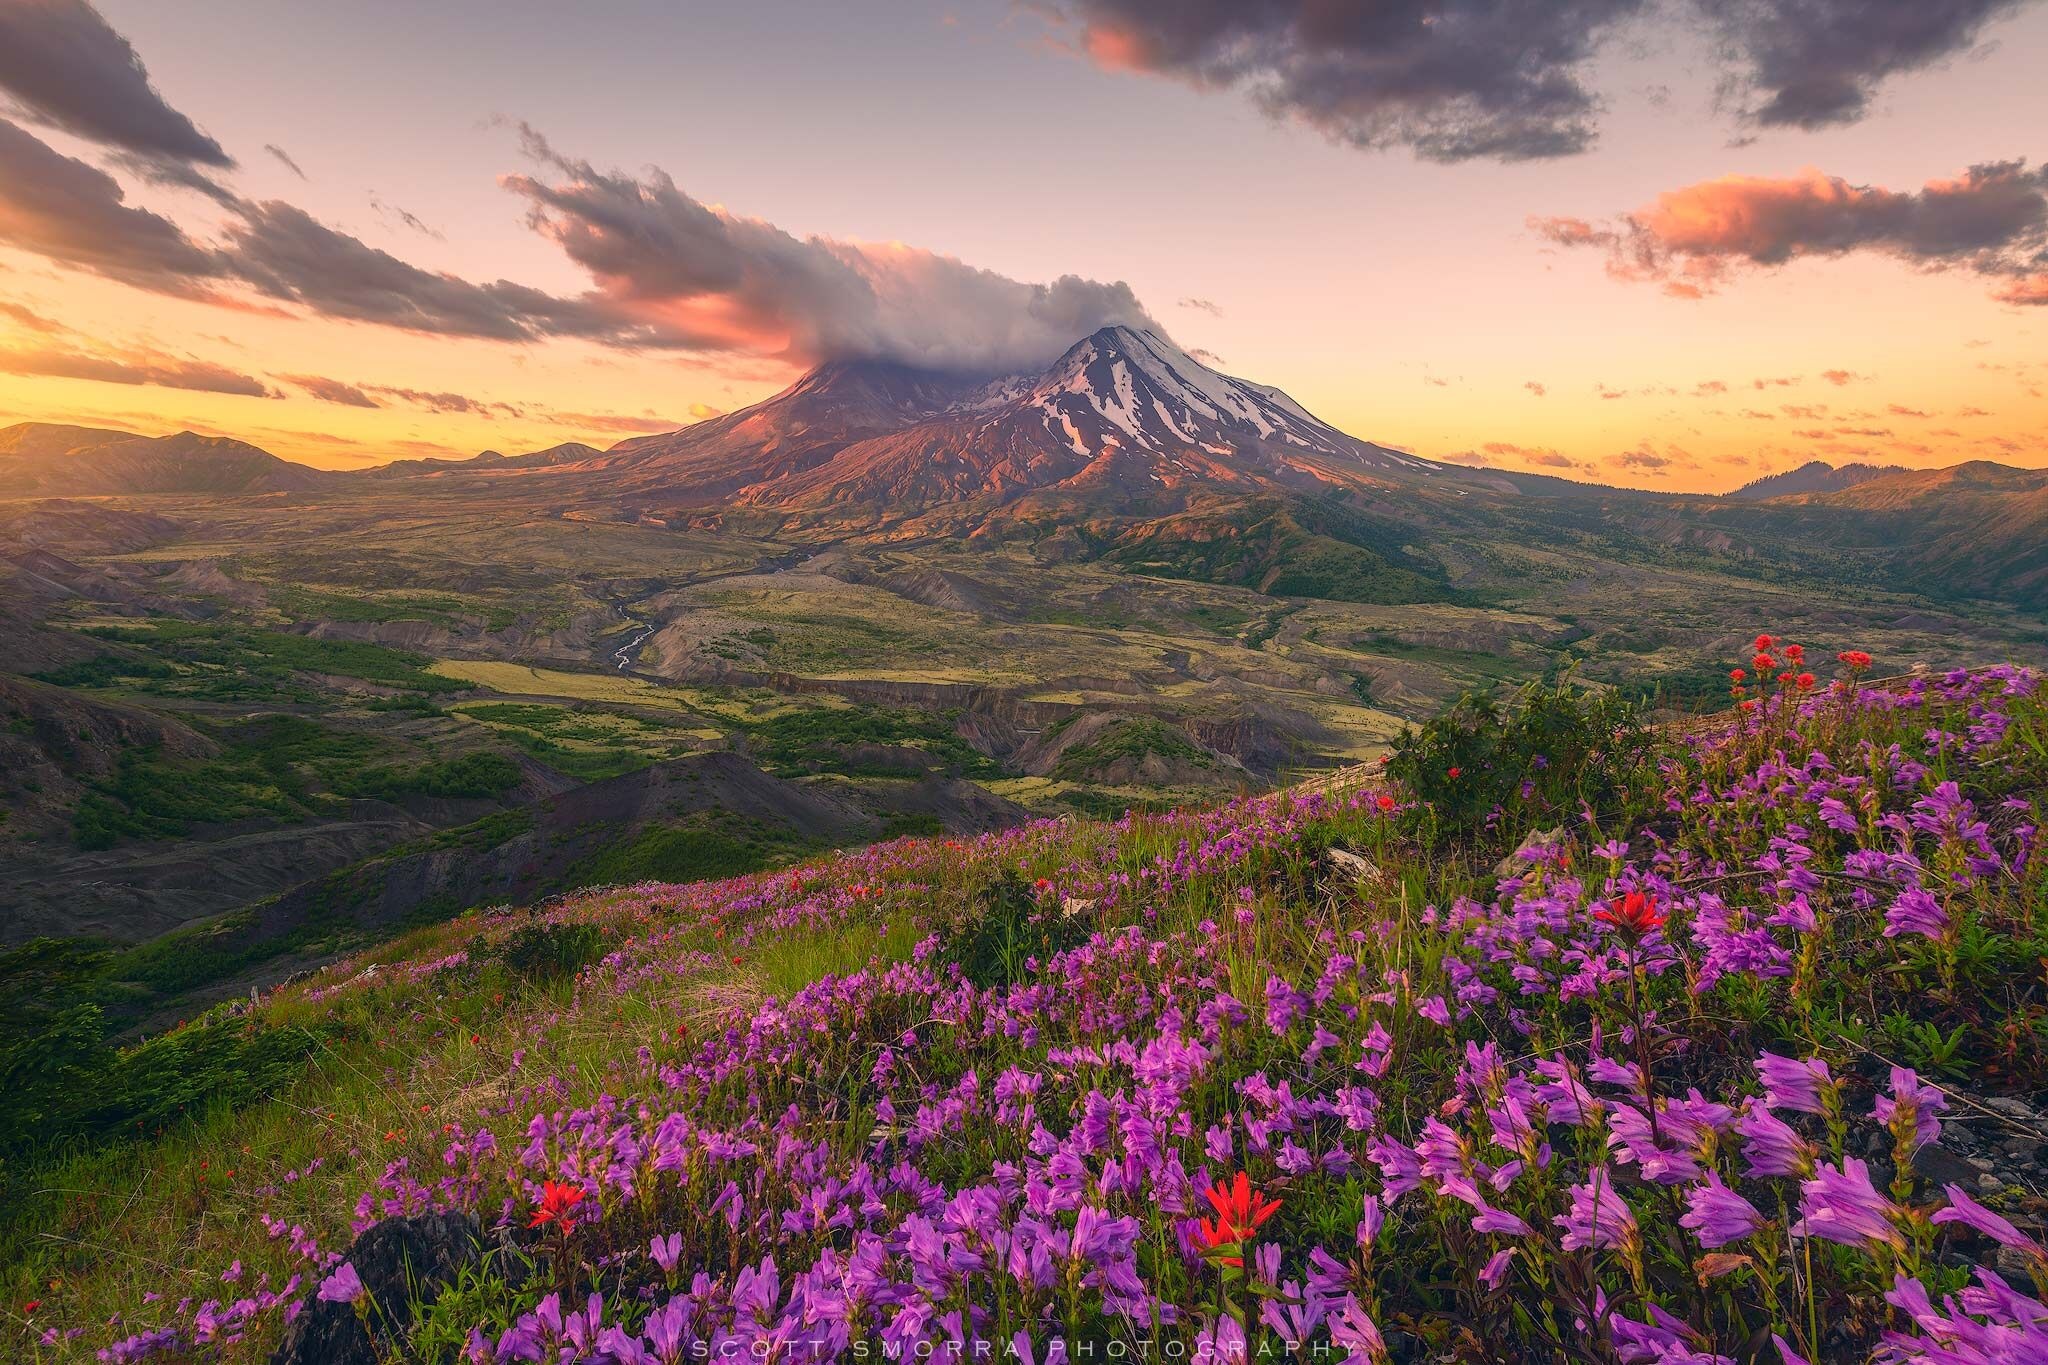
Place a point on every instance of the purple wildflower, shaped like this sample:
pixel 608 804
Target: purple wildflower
pixel 1718 1215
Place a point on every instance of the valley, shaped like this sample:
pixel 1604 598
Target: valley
pixel 256 728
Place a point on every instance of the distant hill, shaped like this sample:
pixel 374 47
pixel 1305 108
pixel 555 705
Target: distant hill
pixel 39 458
pixel 1815 476
pixel 568 452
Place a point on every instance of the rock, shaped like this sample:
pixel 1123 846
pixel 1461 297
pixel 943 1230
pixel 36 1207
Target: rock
pixel 1536 838
pixel 399 1260
pixel 2011 1108
pixel 1988 1183
pixel 1364 869
pixel 1940 1166
pixel 2013 1263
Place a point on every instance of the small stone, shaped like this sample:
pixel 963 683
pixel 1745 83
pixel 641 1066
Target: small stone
pixel 2012 1108
pixel 1983 1163
pixel 1939 1166
pixel 1988 1183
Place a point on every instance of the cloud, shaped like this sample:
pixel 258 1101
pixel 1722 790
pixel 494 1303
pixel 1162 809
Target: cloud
pixel 1901 410
pixel 1536 455
pixel 284 158
pixel 1816 63
pixel 331 390
pixel 1642 459
pixel 28 318
pixel 63 66
pixel 1202 306
pixel 76 215
pixel 1840 377
pixel 704 412
pixel 1502 79
pixel 1509 79
pixel 66 211
pixel 626 421
pixel 392 211
pixel 1992 219
pixel 1435 382
pixel 284 252
pixel 1779 382
pixel 703 278
pixel 1709 386
pixel 444 402
pixel 1535 388
pixel 141 366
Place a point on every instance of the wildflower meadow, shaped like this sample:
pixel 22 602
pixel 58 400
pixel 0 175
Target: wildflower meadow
pixel 1568 1040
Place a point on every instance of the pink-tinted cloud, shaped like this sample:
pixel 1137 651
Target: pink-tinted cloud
pixel 1992 219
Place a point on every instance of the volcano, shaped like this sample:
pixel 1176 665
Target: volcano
pixel 1124 414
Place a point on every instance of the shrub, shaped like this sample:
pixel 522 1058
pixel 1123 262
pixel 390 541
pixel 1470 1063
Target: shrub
pixel 547 952
pixel 1488 768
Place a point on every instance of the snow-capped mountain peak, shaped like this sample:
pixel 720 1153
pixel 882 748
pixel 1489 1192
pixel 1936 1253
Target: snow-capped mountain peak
pixel 1132 388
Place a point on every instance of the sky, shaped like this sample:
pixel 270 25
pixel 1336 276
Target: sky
pixel 1672 244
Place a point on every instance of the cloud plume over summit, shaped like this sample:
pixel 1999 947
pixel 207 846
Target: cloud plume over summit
pixel 705 278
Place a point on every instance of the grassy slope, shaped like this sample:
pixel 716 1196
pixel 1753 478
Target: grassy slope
pixel 443 1027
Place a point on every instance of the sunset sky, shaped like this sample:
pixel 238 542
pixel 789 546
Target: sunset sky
pixel 1663 243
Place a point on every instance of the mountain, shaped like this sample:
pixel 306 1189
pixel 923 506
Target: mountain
pixel 38 459
pixel 1123 414
pixel 568 452
pixel 1815 476
pixel 1979 528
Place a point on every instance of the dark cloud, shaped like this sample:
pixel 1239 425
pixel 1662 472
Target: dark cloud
pixel 393 213
pixel 1451 79
pixel 1643 459
pixel 703 278
pixel 1816 63
pixel 1992 219
pixel 284 158
pixel 76 215
pixel 284 252
pixel 331 390
pixel 1203 306
pixel 60 208
pixel 63 66
pixel 1508 79
pixel 1901 410
pixel 130 367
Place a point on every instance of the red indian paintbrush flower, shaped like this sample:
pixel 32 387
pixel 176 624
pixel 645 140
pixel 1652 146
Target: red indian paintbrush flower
pixel 1635 912
pixel 1240 1212
pixel 558 1201
pixel 1854 658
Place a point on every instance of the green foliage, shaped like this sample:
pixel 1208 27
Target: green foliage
pixel 548 952
pixel 1007 924
pixel 678 853
pixel 66 1082
pixel 471 775
pixel 263 771
pixel 226 662
pixel 826 739
pixel 1492 771
pixel 1136 738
